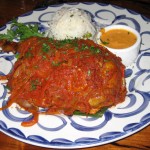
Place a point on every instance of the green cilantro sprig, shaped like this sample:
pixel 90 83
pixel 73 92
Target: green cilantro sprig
pixel 87 35
pixel 21 31
pixel 104 42
pixel 45 47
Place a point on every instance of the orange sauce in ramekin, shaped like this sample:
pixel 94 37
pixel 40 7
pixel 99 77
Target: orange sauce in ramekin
pixel 118 38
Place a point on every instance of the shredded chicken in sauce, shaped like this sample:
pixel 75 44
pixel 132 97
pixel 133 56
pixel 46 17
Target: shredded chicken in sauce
pixel 64 76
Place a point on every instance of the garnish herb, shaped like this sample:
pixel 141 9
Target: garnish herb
pixel 45 47
pixel 34 84
pixel 28 54
pixel 7 87
pixel 89 72
pixel 76 49
pixel 9 36
pixel 51 40
pixel 17 55
pixel 95 50
pixel 68 42
pixel 87 35
pixel 104 42
pixel 64 52
pixel 44 57
pixel 33 87
pixel 97 115
pixel 21 31
pixel 55 63
pixel 84 47
pixel 105 60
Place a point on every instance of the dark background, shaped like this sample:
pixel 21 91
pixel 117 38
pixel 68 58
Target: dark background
pixel 9 9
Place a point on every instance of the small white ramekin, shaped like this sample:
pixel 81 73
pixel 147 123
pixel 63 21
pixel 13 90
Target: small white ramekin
pixel 128 55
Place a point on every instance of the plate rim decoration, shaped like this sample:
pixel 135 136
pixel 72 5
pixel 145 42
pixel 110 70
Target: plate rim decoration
pixel 14 130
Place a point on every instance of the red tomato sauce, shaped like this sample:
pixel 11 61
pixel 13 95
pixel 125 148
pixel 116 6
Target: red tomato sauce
pixel 64 76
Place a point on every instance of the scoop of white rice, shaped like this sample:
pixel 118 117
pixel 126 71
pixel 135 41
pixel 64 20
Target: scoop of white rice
pixel 70 23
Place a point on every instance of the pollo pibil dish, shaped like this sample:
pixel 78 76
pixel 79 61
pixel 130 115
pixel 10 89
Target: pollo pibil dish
pixel 63 77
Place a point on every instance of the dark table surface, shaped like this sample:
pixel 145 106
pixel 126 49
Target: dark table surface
pixel 9 9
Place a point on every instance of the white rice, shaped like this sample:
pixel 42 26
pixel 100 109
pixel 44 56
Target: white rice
pixel 70 23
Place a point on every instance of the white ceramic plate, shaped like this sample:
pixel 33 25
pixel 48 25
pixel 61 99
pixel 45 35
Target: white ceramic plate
pixel 78 132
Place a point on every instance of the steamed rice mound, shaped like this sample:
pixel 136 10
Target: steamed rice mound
pixel 70 23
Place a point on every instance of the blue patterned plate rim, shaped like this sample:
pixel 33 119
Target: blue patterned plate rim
pixel 142 73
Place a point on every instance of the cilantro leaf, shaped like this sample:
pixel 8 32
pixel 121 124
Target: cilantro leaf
pixel 21 31
pixel 87 35
pixel 104 42
pixel 45 47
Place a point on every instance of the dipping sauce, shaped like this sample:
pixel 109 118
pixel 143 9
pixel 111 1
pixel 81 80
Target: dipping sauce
pixel 118 38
